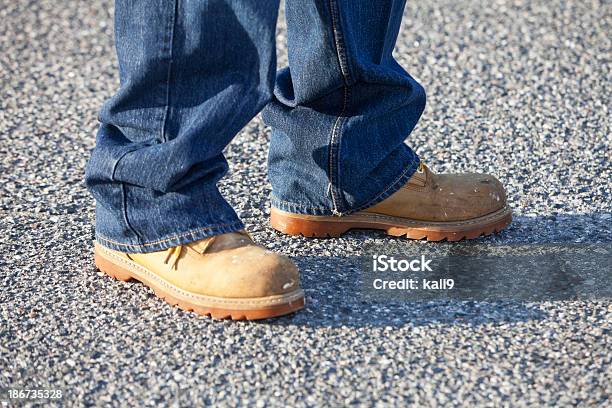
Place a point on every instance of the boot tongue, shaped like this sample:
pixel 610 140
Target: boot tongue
pixel 222 242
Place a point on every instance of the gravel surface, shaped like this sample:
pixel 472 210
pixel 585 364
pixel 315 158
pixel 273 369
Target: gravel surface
pixel 517 88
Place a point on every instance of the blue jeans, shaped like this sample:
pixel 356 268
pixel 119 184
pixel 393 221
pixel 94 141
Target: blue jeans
pixel 193 73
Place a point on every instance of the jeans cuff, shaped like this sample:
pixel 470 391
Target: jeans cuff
pixel 397 183
pixel 297 208
pixel 170 241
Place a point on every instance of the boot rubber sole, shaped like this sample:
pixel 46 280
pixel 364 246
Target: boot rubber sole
pixel 216 307
pixel 335 226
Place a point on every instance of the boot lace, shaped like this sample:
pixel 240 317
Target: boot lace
pixel 421 168
pixel 173 255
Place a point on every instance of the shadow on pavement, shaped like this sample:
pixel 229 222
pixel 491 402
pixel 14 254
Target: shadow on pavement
pixel 334 298
pixel 556 259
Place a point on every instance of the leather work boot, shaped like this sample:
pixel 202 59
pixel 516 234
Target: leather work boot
pixel 429 206
pixel 224 276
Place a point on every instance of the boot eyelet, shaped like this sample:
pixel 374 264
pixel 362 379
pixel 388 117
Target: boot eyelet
pixel 421 168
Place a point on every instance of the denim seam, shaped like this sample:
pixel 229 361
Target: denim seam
pixel 125 213
pixel 116 163
pixel 334 147
pixel 339 42
pixel 123 193
pixel 168 48
pixel 336 133
pixel 174 237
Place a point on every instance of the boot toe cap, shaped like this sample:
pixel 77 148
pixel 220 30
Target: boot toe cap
pixel 467 196
pixel 256 272
pixel 493 194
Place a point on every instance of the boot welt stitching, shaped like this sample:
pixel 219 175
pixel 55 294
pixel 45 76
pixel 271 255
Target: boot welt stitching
pixel 268 300
pixel 391 219
pixel 477 220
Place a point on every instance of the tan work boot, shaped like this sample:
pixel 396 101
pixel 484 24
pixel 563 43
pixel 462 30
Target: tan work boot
pixel 429 206
pixel 224 276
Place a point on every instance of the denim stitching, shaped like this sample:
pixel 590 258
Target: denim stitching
pixel 125 214
pixel 288 207
pixel 336 134
pixel 168 48
pixel 334 147
pixel 116 163
pixel 299 205
pixel 174 237
pixel 123 195
pixel 339 42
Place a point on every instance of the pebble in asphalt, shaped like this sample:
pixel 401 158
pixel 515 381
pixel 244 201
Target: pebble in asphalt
pixel 517 88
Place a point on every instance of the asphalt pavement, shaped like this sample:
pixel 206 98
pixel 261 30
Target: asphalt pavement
pixel 517 88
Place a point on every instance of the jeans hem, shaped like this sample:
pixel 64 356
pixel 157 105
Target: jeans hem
pixel 297 208
pixel 170 241
pixel 393 187
pixel 399 181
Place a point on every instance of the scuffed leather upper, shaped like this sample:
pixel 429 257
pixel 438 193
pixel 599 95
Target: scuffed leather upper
pixel 228 265
pixel 444 197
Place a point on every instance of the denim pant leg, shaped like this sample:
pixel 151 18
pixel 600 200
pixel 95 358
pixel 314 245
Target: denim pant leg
pixel 192 74
pixel 342 109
